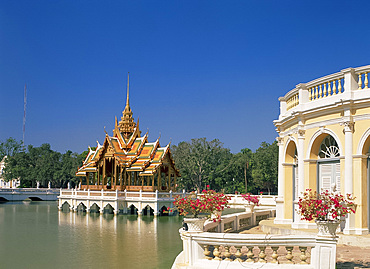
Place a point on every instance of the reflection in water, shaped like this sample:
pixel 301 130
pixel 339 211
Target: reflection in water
pixel 46 238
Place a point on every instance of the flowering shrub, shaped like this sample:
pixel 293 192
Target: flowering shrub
pixel 207 203
pixel 325 206
pixel 255 199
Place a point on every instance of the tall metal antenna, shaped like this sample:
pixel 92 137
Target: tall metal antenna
pixel 24 111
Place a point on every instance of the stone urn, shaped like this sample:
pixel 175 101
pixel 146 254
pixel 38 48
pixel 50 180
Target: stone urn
pixel 327 228
pixel 195 224
pixel 249 208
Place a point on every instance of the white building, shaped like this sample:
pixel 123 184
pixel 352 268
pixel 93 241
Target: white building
pixel 14 183
pixel 324 143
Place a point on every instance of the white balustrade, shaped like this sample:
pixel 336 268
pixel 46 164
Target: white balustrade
pixel 308 95
pixel 232 250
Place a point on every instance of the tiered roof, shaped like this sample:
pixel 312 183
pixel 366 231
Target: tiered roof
pixel 129 148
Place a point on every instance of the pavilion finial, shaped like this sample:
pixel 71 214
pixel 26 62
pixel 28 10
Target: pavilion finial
pixel 128 89
pixel 127 125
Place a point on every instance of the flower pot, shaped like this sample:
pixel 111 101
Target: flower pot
pixel 195 224
pixel 249 208
pixel 327 228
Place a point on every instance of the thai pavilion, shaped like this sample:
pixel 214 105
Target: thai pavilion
pixel 127 161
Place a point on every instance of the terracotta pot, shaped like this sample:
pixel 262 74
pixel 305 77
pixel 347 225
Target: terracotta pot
pixel 327 228
pixel 195 224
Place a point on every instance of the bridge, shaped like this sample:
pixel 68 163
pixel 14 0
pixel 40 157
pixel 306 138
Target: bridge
pixel 35 194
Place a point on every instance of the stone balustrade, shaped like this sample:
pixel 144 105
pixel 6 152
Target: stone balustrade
pixel 330 89
pixel 266 201
pixel 220 250
pixel 238 221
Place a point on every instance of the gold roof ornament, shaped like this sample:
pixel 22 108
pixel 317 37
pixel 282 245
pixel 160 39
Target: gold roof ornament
pixel 127 125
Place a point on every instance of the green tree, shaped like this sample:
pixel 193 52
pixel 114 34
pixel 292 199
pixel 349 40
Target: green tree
pixel 9 147
pixel 42 164
pixel 242 170
pixel 265 167
pixel 201 163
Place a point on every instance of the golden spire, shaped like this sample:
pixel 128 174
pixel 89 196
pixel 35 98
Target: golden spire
pixel 127 124
pixel 128 89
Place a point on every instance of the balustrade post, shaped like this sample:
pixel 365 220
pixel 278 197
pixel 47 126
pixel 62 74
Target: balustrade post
pixel 324 253
pixel 156 195
pixel 88 192
pixel 116 193
pixel 350 80
pixel 303 93
pixel 125 192
pixel 102 192
pixel 283 106
pixel 170 194
pixel 140 194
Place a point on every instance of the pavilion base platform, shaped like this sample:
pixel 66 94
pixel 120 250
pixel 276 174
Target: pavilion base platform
pixel 125 202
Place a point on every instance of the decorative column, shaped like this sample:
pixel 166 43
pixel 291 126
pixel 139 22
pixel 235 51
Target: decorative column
pixel 348 171
pixel 298 223
pixel 281 184
pixel 159 179
pixel 300 150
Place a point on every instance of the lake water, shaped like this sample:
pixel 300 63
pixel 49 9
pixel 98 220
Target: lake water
pixel 37 235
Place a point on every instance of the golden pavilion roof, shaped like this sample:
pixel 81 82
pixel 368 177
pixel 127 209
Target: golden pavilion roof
pixel 129 148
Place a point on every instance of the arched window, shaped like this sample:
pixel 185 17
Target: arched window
pixel 329 166
pixel 329 148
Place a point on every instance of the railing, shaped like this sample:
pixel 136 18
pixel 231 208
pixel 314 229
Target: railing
pixel 347 80
pixel 119 195
pixel 30 190
pixel 237 221
pixel 237 201
pixel 325 86
pixel 220 250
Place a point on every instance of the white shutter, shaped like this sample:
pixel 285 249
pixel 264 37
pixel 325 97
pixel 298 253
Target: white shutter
pixel 337 176
pixel 325 176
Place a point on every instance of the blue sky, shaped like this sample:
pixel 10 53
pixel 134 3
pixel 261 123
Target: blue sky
pixel 210 69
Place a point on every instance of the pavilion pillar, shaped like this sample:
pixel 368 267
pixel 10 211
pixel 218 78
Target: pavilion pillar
pixel 120 177
pixel 98 174
pixel 169 179
pixel 175 179
pixel 87 179
pixel 103 175
pixel 159 180
pixel 115 173
pixel 153 182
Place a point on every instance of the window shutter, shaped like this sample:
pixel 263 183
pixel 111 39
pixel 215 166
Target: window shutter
pixel 325 177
